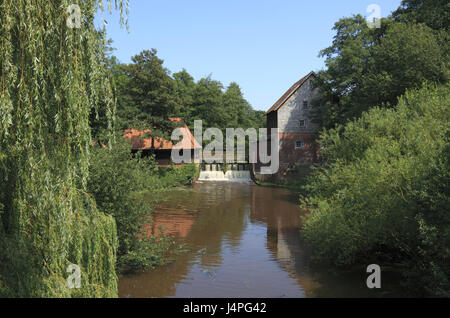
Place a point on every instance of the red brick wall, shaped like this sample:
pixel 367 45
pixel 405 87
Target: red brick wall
pixel 290 155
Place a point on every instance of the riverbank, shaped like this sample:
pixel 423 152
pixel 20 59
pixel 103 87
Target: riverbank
pixel 156 248
pixel 298 187
pixel 128 188
pixel 383 197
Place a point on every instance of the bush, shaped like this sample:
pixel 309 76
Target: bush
pixel 118 180
pixel 175 176
pixel 384 193
pixel 4 290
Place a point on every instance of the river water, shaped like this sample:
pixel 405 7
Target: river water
pixel 244 241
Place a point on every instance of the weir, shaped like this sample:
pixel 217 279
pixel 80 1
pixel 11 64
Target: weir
pixel 221 172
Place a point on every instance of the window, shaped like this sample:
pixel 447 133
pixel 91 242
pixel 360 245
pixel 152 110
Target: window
pixel 302 123
pixel 299 144
pixel 305 104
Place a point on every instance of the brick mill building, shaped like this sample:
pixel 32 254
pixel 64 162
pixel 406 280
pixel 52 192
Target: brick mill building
pixel 297 134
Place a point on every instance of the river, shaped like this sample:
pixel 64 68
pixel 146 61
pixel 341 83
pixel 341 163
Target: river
pixel 244 241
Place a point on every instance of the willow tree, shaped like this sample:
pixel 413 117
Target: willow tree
pixel 51 78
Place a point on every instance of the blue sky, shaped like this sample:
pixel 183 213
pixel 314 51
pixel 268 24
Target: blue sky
pixel 265 46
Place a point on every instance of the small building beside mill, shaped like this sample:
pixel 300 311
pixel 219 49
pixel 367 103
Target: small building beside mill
pixel 160 147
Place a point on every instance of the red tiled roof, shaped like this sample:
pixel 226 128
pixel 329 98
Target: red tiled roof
pixel 289 93
pixel 140 143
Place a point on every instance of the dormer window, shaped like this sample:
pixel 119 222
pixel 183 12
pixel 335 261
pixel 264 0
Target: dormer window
pixel 302 123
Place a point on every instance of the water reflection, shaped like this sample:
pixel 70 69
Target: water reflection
pixel 245 242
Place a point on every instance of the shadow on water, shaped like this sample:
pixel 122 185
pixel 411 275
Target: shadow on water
pixel 245 242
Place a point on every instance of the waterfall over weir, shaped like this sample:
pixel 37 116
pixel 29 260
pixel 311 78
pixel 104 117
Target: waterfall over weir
pixel 234 173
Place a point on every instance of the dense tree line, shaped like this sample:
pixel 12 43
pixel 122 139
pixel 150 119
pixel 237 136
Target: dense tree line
pixel 148 94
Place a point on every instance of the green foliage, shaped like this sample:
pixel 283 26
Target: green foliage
pixel 184 89
pixel 147 96
pixel 50 81
pixel 434 13
pixel 115 179
pixel 119 180
pixel 369 67
pixel 208 103
pixel 175 176
pixel 383 195
pixel 222 108
pixel 149 92
pixel 224 167
pixel 148 253
pixel 102 119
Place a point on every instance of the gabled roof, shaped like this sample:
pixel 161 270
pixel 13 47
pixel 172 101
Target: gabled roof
pixel 289 93
pixel 140 143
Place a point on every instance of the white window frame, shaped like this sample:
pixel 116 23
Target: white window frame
pixel 302 144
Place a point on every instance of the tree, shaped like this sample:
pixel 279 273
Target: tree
pixel 434 13
pixel 407 56
pixel 383 194
pixel 207 104
pixel 150 92
pixel 259 119
pixel 51 78
pixel 238 110
pixel 147 95
pixel 368 67
pixel 185 87
pixel 348 59
pixel 102 118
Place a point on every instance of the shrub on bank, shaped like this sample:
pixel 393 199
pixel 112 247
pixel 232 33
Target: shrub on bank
pixel 384 194
pixel 174 176
pixel 118 181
